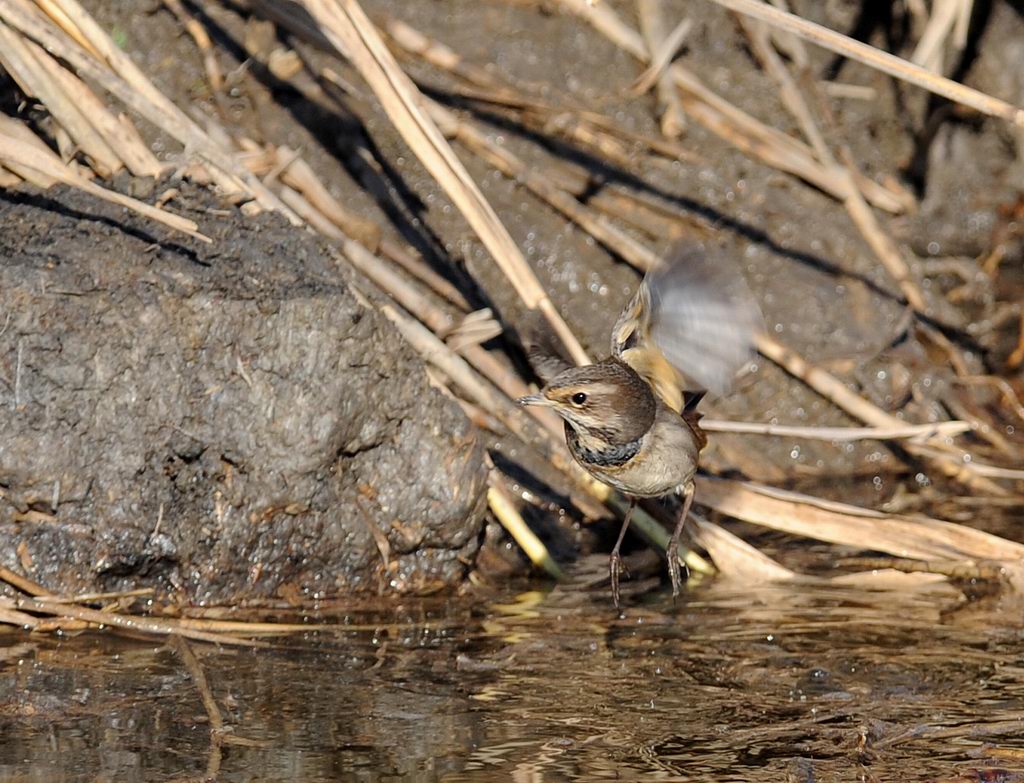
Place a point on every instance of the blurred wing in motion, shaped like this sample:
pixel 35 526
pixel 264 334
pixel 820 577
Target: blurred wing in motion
pixel 693 319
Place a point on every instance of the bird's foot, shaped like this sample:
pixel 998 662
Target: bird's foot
pixel 673 573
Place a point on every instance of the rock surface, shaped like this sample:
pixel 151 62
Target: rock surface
pixel 226 420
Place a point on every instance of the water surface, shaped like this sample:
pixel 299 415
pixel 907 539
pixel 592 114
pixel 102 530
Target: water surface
pixel 729 683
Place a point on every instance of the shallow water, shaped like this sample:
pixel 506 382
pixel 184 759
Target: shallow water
pixel 727 684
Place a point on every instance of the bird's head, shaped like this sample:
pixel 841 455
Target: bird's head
pixel 607 400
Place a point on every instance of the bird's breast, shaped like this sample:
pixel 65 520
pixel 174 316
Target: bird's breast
pixel 659 462
pixel 598 453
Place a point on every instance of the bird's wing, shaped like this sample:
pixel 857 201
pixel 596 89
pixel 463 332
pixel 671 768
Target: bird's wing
pixel 693 320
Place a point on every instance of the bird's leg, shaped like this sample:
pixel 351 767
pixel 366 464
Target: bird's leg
pixel 615 561
pixel 673 543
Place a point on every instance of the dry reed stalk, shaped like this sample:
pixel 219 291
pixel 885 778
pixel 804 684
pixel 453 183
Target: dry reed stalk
pixel 666 148
pixel 945 429
pixel 963 23
pixel 33 70
pixel 622 206
pixel 735 558
pixel 345 24
pixel 412 41
pixel 118 75
pixel 928 52
pixel 474 329
pixel 879 241
pixel 542 186
pixel 826 384
pixel 72 101
pixel 409 260
pixel 248 627
pixel 304 193
pixel 664 48
pixel 299 174
pixel 578 125
pixel 14 152
pixel 1009 396
pixel 960 570
pixel 61 19
pixel 124 622
pixel 964 468
pixel 876 58
pixel 310 214
pixel 735 126
pixel 504 509
pixel 882 244
pixel 566 119
pixel 18 619
pixel 854 92
pixel 615 196
pixel 18 130
pixel 981 428
pixel 69 616
pixel 572 127
pixel 22 583
pixel 790 44
pixel 118 132
pixel 213 713
pixel 203 43
pixel 886 577
pixel 8 179
pixel 839 523
pixel 84 598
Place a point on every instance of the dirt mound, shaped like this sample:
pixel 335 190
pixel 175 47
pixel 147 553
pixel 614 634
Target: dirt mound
pixel 226 420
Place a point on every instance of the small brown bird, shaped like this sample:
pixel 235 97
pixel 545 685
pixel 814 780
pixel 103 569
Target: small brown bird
pixel 628 420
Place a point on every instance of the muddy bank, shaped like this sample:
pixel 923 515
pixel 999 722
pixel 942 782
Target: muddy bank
pixel 324 488
pixel 223 420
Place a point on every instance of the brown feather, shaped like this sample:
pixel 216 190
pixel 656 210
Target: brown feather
pixel 543 349
pixel 692 418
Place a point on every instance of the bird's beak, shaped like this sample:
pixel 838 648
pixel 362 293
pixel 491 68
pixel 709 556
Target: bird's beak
pixel 534 399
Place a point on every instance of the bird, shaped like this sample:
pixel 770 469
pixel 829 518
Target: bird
pixel 631 420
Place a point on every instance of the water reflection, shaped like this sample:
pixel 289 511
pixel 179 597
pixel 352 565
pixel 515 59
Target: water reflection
pixel 738 684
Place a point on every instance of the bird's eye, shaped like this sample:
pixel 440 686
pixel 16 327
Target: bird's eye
pixel 579 398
